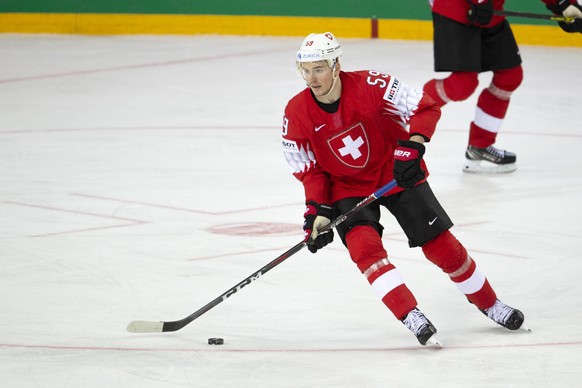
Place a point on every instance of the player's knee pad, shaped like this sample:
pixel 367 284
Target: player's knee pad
pixel 460 85
pixel 505 81
pixel 365 246
pixel 446 252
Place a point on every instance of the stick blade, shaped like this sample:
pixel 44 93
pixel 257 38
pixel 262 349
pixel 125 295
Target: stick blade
pixel 145 327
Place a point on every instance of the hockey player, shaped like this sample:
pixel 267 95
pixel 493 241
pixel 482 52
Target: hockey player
pixel 345 136
pixel 469 39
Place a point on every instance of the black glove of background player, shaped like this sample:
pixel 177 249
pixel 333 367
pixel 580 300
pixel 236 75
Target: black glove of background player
pixel 407 157
pixel 564 8
pixel 316 217
pixel 480 13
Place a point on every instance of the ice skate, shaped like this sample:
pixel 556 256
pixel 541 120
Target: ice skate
pixel 421 327
pixel 489 160
pixel 505 315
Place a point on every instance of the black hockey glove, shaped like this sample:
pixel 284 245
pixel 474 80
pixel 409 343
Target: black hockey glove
pixel 407 157
pixel 563 7
pixel 316 217
pixel 559 7
pixel 575 26
pixel 481 12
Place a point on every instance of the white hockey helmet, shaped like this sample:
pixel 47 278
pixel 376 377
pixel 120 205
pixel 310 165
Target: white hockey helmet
pixel 319 47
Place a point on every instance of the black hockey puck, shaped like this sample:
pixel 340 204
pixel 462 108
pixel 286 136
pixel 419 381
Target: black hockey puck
pixel 215 341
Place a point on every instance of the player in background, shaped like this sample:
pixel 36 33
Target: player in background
pixel 346 135
pixel 469 39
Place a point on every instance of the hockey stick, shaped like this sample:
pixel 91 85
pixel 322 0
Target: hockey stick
pixel 161 326
pixel 529 15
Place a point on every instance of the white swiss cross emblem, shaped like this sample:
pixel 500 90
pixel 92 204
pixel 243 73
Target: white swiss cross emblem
pixel 351 146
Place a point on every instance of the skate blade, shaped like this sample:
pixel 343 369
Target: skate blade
pixel 524 328
pixel 485 167
pixel 434 342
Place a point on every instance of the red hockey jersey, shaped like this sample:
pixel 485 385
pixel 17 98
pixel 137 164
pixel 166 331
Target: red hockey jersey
pixel 554 2
pixel 458 9
pixel 349 153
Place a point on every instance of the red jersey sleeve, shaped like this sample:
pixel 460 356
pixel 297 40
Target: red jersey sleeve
pixel 410 107
pixel 299 154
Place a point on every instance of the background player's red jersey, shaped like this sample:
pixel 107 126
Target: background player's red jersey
pixel 458 9
pixel 352 149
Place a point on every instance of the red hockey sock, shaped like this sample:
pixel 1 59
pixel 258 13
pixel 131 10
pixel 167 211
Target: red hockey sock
pixel 448 253
pixel 492 106
pixel 456 87
pixel 430 88
pixel 479 137
pixel 366 249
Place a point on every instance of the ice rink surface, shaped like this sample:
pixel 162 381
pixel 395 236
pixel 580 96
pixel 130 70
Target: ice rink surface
pixel 142 176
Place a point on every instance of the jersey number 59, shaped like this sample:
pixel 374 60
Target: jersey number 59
pixel 376 79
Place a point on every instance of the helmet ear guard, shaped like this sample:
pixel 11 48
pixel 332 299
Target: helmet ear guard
pixel 319 47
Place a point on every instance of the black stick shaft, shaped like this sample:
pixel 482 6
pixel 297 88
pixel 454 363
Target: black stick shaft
pixel 177 325
pixel 146 326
